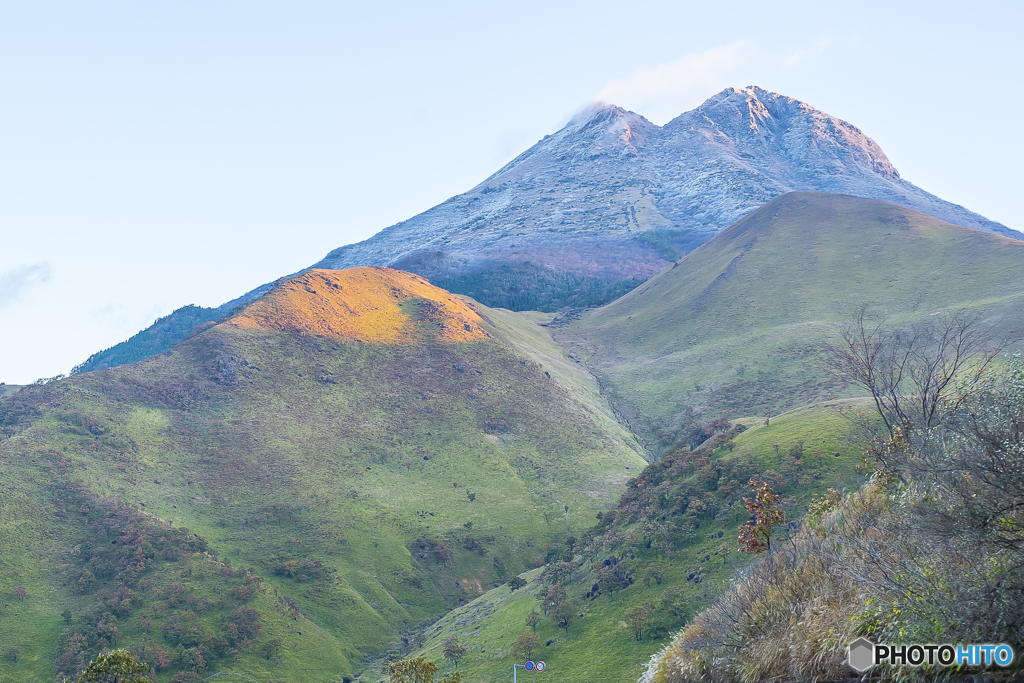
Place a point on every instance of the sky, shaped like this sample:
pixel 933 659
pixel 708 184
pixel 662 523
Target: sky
pixel 154 155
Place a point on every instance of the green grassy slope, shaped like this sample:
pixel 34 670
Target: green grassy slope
pixel 736 326
pixel 525 335
pixel 339 471
pixel 600 645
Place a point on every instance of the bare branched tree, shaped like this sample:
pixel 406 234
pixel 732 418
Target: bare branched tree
pixel 953 445
pixel 914 375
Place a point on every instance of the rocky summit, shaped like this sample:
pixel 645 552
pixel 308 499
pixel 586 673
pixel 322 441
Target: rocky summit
pixel 613 197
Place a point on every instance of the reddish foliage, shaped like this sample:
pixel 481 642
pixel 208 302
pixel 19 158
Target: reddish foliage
pixel 756 535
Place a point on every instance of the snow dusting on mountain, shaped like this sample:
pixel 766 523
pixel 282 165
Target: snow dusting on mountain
pixel 607 194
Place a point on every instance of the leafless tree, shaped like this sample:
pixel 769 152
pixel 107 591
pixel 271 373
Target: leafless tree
pixel 953 446
pixel 914 376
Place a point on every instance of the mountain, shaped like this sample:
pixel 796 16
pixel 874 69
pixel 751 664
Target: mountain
pixel 306 486
pixel 737 326
pixel 734 330
pixel 611 199
pixel 608 201
pixel 164 333
pixel 294 488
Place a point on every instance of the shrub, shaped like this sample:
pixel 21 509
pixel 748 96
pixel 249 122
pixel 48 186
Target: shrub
pixel 116 666
pixel 526 644
pixel 756 535
pixel 516 582
pixel 418 670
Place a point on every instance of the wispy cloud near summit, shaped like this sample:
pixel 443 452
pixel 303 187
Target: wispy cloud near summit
pixel 662 92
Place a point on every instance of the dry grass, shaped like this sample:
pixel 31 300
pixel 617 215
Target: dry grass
pixel 869 568
pixel 790 617
pixel 370 305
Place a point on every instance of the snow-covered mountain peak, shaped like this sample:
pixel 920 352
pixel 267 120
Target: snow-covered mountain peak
pixel 612 195
pixel 743 106
pixel 607 127
pixel 782 134
pixel 597 111
pixel 600 130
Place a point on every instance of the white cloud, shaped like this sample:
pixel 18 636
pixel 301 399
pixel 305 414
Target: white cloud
pixel 665 91
pixel 13 283
pixel 662 92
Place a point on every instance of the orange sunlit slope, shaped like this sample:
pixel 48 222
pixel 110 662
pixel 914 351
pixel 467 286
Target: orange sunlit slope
pixel 371 305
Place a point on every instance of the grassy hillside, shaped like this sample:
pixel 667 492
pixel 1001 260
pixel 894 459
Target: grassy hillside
pixel 673 539
pixel 736 326
pixel 350 457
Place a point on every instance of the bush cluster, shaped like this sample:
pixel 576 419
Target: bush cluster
pixel 188 608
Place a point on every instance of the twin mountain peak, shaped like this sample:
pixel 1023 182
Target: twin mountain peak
pixel 379 449
pixel 612 195
pixel 602 205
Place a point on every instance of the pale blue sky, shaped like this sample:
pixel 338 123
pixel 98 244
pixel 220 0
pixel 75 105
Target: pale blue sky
pixel 158 154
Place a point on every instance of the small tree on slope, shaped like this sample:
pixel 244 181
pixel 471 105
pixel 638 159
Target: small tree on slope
pixel 116 666
pixel 756 535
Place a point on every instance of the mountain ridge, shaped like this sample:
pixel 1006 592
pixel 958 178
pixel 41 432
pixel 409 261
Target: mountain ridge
pixel 164 333
pixel 695 175
pixel 736 326
pixel 589 212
